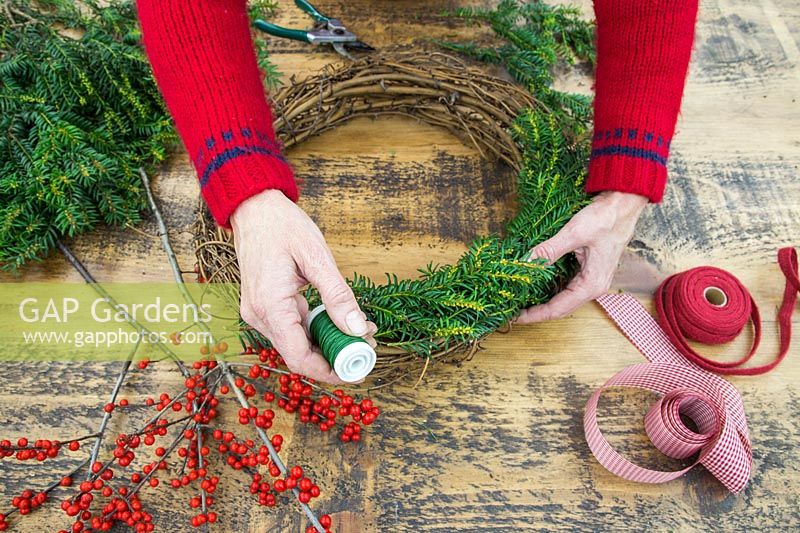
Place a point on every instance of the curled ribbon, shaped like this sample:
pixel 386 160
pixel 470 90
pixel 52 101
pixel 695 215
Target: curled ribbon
pixel 722 438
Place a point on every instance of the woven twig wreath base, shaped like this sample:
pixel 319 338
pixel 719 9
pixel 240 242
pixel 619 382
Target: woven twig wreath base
pixel 433 87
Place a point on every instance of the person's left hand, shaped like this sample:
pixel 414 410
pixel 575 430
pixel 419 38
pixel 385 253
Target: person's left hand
pixel 597 235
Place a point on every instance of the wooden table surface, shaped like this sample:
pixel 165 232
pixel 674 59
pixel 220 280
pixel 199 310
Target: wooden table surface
pixel 495 444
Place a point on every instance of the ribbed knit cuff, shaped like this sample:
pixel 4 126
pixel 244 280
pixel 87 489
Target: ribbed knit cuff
pixel 237 164
pixel 629 160
pixel 248 176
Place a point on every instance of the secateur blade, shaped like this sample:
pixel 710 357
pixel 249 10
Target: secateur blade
pixel 344 49
pixel 358 46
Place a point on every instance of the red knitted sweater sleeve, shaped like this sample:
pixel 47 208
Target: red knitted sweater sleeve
pixel 643 51
pixel 204 62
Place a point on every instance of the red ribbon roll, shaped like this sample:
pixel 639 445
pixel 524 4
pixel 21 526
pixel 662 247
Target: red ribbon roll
pixel 685 312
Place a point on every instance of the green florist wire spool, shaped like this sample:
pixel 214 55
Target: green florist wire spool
pixel 352 358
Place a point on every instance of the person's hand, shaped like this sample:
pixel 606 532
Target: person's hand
pixel 597 235
pixel 280 250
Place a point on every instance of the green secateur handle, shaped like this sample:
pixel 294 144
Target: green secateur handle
pixel 279 31
pixel 311 10
pixel 287 33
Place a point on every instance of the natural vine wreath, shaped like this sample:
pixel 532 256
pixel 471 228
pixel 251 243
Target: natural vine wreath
pixel 446 312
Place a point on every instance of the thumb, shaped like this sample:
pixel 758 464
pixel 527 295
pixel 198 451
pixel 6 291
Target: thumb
pixel 340 303
pixel 556 247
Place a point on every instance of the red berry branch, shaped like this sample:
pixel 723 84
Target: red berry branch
pixel 184 442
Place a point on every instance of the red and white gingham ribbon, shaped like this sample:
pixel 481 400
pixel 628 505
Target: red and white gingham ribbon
pixel 722 438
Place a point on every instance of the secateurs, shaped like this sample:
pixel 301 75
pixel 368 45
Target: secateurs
pixel 325 31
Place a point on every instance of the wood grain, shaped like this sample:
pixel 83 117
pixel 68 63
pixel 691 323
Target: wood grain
pixel 495 444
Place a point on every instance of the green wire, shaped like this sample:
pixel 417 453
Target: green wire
pixel 329 338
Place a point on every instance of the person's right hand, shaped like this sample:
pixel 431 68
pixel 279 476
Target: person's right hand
pixel 280 250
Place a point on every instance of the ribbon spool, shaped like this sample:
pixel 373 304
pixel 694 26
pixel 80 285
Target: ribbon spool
pixel 710 305
pixel 352 358
pixel 722 437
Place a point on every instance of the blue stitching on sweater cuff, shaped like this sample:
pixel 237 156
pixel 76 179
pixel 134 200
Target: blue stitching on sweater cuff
pixel 633 134
pixel 632 152
pixel 232 153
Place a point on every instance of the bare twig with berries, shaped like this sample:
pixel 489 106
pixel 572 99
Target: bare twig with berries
pixel 106 498
pixel 162 231
pixel 163 234
pixel 272 452
pixel 109 407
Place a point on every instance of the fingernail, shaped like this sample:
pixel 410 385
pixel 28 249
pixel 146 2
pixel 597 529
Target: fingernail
pixel 356 323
